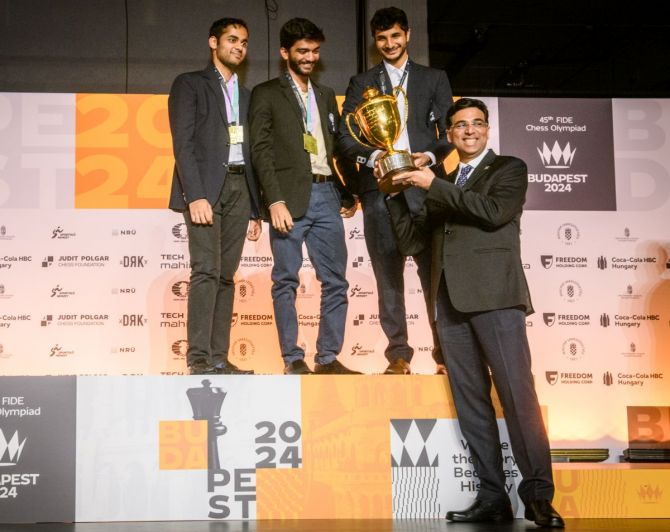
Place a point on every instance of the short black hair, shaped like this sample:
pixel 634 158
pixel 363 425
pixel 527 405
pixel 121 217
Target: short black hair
pixel 386 18
pixel 297 29
pixel 219 26
pixel 465 103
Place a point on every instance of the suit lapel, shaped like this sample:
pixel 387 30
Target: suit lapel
pixel 413 81
pixel 382 79
pixel 288 93
pixel 481 171
pixel 215 86
pixel 413 92
pixel 322 105
pixel 244 106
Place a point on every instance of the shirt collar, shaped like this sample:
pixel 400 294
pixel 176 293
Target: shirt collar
pixel 232 81
pixel 390 68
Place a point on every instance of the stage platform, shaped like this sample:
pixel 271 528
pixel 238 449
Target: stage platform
pixel 268 448
pixel 344 525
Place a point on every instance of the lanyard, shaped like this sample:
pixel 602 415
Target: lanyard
pixel 382 77
pixel 403 77
pixel 306 111
pixel 232 100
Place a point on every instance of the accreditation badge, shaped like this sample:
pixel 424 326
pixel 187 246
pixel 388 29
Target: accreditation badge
pixel 236 134
pixel 309 143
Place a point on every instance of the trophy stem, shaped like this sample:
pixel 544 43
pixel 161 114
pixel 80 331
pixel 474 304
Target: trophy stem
pixel 393 164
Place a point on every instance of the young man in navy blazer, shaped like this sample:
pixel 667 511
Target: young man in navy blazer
pixel 429 95
pixel 215 188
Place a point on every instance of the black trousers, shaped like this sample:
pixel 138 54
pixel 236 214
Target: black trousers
pixel 215 255
pixel 388 265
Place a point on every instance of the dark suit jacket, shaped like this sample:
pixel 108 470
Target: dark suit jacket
pixel 277 151
pixel 198 122
pixel 429 95
pixel 475 235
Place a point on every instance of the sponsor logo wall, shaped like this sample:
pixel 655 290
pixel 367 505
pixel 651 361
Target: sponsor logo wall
pixel 94 270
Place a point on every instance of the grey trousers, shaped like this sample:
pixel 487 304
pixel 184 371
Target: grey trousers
pixel 474 343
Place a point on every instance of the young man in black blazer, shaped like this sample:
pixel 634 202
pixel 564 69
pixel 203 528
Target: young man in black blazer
pixel 293 126
pixel 479 299
pixel 214 186
pixel 429 95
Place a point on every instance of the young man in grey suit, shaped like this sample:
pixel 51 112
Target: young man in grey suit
pixel 479 299
pixel 215 188
pixel 293 125
pixel 429 95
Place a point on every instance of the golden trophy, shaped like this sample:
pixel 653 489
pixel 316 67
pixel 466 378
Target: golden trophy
pixel 378 118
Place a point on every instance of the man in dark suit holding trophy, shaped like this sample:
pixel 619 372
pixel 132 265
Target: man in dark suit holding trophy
pixel 479 300
pixel 429 96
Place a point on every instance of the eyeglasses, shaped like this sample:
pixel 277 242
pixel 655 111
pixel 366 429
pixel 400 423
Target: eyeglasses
pixel 464 124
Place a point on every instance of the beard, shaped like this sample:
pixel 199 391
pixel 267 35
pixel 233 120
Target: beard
pixel 297 67
pixel 231 62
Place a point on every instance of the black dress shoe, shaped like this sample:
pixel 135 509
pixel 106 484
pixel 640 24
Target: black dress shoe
pixel 479 511
pixel 228 368
pixel 399 366
pixel 334 368
pixel 297 367
pixel 543 514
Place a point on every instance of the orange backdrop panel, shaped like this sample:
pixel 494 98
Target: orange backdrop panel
pixel 123 154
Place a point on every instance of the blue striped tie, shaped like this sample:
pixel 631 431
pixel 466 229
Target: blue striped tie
pixel 463 175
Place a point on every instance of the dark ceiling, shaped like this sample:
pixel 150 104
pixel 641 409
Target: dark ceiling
pixel 561 48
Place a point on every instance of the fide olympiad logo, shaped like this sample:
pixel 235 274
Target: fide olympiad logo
pixel 10 450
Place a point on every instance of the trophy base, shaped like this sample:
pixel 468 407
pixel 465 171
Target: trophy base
pixel 391 165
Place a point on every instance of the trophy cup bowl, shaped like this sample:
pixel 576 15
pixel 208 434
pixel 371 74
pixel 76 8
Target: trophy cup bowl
pixel 378 118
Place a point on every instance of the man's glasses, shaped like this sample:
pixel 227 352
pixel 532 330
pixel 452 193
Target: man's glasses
pixel 464 124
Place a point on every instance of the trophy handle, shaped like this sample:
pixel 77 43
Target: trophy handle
pixel 397 90
pixel 356 138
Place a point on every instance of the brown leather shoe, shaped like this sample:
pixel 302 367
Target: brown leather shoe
pixel 399 366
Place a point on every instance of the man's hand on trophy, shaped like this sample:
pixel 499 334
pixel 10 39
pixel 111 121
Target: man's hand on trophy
pixel 376 156
pixel 377 172
pixel 421 159
pixel 281 218
pixel 421 178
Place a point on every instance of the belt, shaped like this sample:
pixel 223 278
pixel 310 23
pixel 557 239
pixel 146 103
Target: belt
pixel 320 178
pixel 235 168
